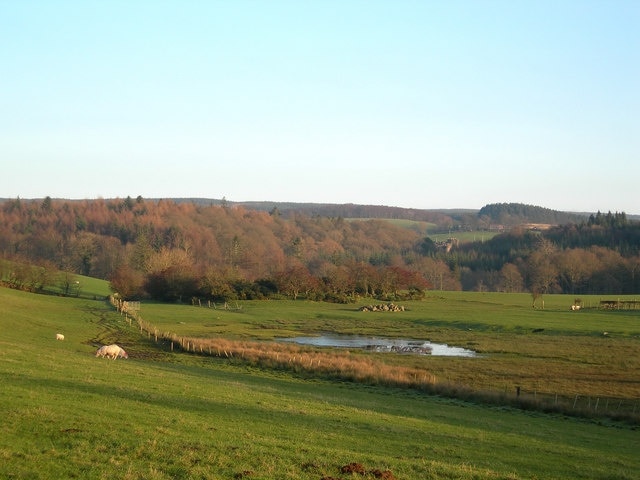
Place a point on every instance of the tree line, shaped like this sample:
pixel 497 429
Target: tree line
pixel 177 251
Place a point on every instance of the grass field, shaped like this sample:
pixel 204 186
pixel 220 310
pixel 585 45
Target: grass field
pixel 550 352
pixel 415 225
pixel 464 237
pixel 428 229
pixel 163 415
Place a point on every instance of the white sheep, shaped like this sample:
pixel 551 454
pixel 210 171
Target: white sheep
pixel 59 336
pixel 111 351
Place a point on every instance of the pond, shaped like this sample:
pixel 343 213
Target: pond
pixel 378 344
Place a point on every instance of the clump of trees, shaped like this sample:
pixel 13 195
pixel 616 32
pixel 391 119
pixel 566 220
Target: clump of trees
pixel 176 251
pixel 600 255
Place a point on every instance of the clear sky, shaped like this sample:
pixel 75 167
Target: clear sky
pixel 419 104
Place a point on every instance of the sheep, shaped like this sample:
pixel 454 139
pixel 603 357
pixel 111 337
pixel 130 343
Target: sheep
pixel 575 307
pixel 59 336
pixel 111 351
pixel 114 351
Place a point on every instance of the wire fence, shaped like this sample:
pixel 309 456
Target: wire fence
pixel 587 404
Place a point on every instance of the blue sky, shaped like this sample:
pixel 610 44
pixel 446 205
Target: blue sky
pixel 421 104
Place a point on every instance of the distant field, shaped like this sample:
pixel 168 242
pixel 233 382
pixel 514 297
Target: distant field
pixel 418 226
pixel 427 229
pixel 162 415
pixel 464 237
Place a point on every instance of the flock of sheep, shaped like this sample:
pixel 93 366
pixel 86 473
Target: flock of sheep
pixel 112 351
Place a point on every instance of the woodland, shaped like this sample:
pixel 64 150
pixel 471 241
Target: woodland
pixel 181 250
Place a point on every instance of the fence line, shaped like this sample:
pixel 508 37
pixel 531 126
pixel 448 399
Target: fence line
pixel 597 404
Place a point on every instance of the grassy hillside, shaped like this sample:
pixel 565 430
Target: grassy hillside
pixel 86 287
pixel 158 415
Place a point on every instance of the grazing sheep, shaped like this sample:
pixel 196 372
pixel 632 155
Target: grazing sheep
pixel 575 308
pixel 111 351
pixel 59 336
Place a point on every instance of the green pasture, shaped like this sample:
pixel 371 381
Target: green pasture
pixel 162 415
pixel 60 283
pixel 428 229
pixel 416 225
pixel 92 287
pixel 459 312
pixel 464 237
pixel 591 353
pixel 83 287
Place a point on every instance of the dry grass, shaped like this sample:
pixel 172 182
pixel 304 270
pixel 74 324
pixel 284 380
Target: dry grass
pixel 341 365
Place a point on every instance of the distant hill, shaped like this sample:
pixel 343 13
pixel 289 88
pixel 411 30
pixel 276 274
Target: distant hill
pixel 346 210
pixel 517 213
pixel 180 249
pixel 507 214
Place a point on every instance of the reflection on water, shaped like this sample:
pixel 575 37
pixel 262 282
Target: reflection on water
pixel 419 347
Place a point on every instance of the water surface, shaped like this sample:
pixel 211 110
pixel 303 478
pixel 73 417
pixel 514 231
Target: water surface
pixel 378 344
